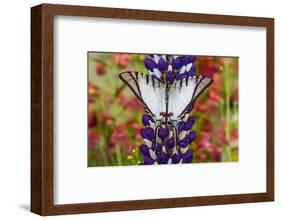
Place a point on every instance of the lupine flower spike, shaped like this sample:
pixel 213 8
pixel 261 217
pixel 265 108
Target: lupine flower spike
pixel 168 93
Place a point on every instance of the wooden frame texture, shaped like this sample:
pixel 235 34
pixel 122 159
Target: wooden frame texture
pixel 42 108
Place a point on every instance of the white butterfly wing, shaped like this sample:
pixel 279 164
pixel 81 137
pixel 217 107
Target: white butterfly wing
pixel 183 92
pixel 148 90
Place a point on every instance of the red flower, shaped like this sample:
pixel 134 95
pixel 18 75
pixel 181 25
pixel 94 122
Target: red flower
pixel 206 125
pixel 200 106
pixel 217 84
pixel 215 97
pixel 122 99
pixel 234 96
pixel 100 68
pixel 93 138
pixel 137 127
pixel 207 66
pixel 93 91
pixel 205 141
pixel 108 118
pixel 216 155
pixel 120 136
pixel 221 135
pixel 122 60
pixel 133 104
pixel 92 120
pixel 234 134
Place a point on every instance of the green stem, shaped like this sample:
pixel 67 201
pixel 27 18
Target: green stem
pixel 118 155
pixel 227 89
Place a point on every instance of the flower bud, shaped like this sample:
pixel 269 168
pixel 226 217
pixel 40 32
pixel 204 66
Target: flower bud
pixel 147 133
pixel 150 64
pixel 162 65
pixel 187 156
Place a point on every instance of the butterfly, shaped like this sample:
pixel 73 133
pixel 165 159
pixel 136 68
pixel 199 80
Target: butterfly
pixel 167 104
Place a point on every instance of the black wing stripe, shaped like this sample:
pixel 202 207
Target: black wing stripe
pixel 132 83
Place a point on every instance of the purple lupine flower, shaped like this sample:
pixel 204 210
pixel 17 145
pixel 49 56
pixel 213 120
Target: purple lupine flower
pixel 170 142
pixel 144 150
pixel 191 136
pixel 187 156
pixel 150 64
pixel 170 77
pixel 184 142
pixel 147 160
pixel 162 65
pixel 163 132
pixel 176 158
pixel 146 119
pixel 191 72
pixel 176 63
pixel 181 126
pixel 189 123
pixel 181 76
pixel 168 68
pixel 161 145
pixel 162 158
pixel 189 108
pixel 147 133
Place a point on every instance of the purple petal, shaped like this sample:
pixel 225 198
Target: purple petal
pixel 144 150
pixel 163 132
pixel 187 156
pixel 150 64
pixel 189 107
pixel 170 77
pixel 192 119
pixel 146 120
pixel 176 158
pixel 192 59
pixel 184 142
pixel 176 63
pixel 163 158
pixel 191 72
pixel 147 133
pixel 181 76
pixel 180 126
pixel 148 160
pixel 170 142
pixel 159 147
pixel 191 136
pixel 157 78
pixel 162 65
pixel 184 60
pixel 189 123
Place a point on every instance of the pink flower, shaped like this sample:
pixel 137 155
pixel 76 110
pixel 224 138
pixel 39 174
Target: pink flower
pixel 122 99
pixel 122 60
pixel 207 65
pixel 100 68
pixel 234 96
pixel 215 97
pixel 137 127
pixel 93 138
pixel 93 91
pixel 108 118
pixel 133 104
pixel 205 140
pixel 92 120
pixel 119 135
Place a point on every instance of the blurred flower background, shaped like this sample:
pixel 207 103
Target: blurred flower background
pixel 114 113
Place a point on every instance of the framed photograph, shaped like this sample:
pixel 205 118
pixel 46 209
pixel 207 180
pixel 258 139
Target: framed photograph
pixel 138 109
